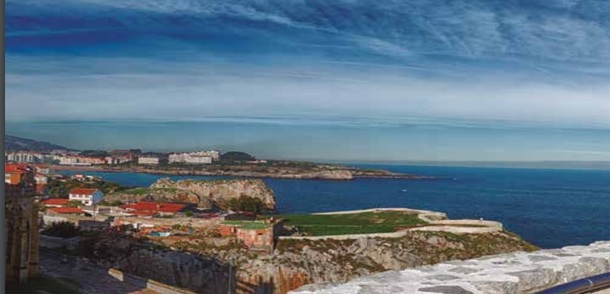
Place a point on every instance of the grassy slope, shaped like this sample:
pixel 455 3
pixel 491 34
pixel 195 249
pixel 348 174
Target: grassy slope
pixel 360 223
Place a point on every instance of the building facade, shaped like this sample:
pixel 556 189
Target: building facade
pixel 256 235
pixel 21 226
pixel 148 160
pixel 86 196
pixel 201 157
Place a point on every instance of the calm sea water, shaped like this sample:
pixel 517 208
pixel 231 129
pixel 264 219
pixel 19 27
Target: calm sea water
pixel 549 208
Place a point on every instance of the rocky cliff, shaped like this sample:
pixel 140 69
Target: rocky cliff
pixel 202 267
pixel 511 273
pixel 204 193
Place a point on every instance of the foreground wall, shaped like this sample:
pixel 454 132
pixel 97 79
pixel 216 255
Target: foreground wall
pixel 506 273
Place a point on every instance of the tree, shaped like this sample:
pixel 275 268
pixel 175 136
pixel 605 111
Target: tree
pixel 188 214
pixel 73 203
pixel 246 203
pixel 62 230
pixel 236 156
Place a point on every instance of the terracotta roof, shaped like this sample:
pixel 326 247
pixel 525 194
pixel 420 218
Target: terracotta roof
pixel 55 201
pixel 154 207
pixel 66 210
pixel 82 191
pixel 14 168
pixel 143 213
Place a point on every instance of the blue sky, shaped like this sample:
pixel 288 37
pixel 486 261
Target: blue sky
pixel 351 79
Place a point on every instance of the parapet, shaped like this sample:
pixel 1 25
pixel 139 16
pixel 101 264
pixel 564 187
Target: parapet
pixel 518 272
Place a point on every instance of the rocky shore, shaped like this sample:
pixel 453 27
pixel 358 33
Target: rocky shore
pixel 213 265
pixel 318 173
pixel 205 194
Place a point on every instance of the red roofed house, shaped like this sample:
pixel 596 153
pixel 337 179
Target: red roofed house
pixel 86 196
pixel 150 208
pixel 14 172
pixel 65 210
pixel 55 202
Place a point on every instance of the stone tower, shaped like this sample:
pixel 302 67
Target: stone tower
pixel 21 226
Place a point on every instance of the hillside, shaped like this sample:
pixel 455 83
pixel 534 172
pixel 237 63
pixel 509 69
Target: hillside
pixel 14 143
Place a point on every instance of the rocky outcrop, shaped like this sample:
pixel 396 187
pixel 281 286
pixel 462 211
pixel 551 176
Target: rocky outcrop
pixel 221 191
pixel 206 194
pixel 203 267
pixel 519 272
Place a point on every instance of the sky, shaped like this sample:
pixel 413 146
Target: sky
pixel 480 80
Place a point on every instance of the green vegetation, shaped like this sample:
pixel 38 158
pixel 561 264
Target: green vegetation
pixel 246 203
pixel 62 230
pixel 44 285
pixel 137 191
pixel 251 225
pixel 357 223
pixel 235 156
pixel 73 203
pixel 61 189
pixel 112 203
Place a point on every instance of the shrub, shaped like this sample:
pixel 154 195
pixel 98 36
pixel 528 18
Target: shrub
pixel 73 203
pixel 246 203
pixel 62 230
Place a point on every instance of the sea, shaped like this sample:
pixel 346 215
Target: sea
pixel 549 208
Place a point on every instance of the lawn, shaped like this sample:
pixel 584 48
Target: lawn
pixel 357 223
pixel 44 285
pixel 136 191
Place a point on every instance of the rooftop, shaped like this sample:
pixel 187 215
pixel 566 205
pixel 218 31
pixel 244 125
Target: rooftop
pixel 67 210
pixel 82 191
pixel 15 168
pixel 56 201
pixel 154 207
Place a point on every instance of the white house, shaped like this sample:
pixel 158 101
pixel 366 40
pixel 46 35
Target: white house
pixel 86 196
pixel 201 157
pixel 148 160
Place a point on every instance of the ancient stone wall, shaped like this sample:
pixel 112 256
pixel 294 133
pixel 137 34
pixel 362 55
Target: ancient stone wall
pixel 22 235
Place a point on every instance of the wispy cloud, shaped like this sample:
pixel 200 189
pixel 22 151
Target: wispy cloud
pixel 468 63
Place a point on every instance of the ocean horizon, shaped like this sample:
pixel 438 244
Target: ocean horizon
pixel 550 208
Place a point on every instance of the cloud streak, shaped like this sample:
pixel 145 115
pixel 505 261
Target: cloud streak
pixel 480 62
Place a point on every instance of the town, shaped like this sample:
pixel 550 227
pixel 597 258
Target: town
pixel 87 210
pixel 112 157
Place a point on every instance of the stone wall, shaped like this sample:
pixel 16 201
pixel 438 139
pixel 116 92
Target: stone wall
pixel 57 242
pixel 150 284
pixel 21 229
pixel 510 273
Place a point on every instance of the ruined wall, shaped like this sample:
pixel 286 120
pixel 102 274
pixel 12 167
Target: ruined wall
pixel 22 236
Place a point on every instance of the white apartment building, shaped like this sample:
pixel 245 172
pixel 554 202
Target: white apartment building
pixel 29 157
pixel 87 197
pixel 148 160
pixel 201 157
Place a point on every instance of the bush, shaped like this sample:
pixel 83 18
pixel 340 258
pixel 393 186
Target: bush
pixel 246 203
pixel 73 203
pixel 62 230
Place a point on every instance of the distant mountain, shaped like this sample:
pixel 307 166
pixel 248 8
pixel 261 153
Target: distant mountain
pixel 13 143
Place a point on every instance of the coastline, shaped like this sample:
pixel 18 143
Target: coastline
pixel 345 174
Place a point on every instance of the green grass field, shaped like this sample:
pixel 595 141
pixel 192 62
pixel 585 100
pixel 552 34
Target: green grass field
pixel 358 223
